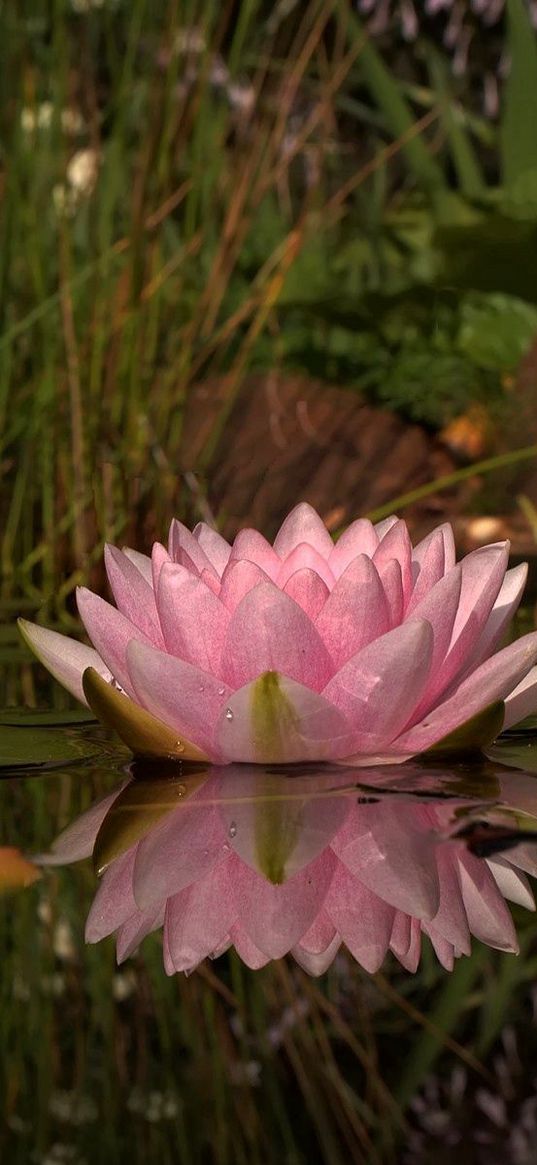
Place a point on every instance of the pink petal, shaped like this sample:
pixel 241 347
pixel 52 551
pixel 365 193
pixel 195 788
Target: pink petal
pixel 308 590
pixel 251 545
pixel 511 592
pixel 142 562
pixel 198 919
pixel 450 920
pixel 363 921
pixel 181 542
pixel 194 621
pixel 439 607
pixel 303 524
pixel 275 720
pixel 358 538
pixel 320 935
pixel 179 851
pixel 405 941
pixel 422 549
pixel 488 917
pixel 429 558
pixel 316 964
pixel 78 839
pixel 392 583
pixel 269 632
pixel 512 884
pixel 378 689
pixel 239 577
pixel 396 544
pixel 114 901
pixel 305 557
pixel 246 949
pixel 382 528
pixel 492 681
pixel 522 701
pixel 392 850
pixel 184 697
pixel 134 596
pixel 444 950
pixel 355 613
pixel 276 917
pixel 132 932
pixel 110 632
pixel 159 556
pixel 66 659
pixel 213 545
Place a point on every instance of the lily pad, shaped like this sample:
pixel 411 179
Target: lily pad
pixel 41 749
pixel 46 718
pixel 515 751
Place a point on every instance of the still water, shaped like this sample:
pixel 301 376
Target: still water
pixel 246 963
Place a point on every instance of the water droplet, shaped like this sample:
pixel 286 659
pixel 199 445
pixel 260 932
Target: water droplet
pixel 232 831
pixel 180 790
pixel 201 688
pixel 229 714
pixel 226 848
pixel 221 691
pixel 114 684
pixel 179 746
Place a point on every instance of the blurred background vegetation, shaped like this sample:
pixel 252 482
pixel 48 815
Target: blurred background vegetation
pixel 196 196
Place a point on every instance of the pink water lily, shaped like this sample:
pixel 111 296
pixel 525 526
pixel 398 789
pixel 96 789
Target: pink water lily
pixel 302 650
pixel 273 865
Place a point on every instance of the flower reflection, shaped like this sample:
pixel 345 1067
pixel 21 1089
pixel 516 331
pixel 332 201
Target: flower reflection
pixel 273 864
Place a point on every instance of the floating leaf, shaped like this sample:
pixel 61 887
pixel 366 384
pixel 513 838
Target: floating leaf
pixel 472 736
pixel 515 751
pixel 16 871
pixel 138 808
pixel 46 718
pixel 138 729
pixel 40 748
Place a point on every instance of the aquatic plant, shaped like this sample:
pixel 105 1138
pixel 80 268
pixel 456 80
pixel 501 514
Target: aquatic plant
pixel 304 650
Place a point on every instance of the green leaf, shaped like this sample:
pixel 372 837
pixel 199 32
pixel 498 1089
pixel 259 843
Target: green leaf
pixel 141 732
pixel 42 748
pixel 518 139
pixel 496 330
pixel 139 807
pixel 48 718
pixel 472 736
pixel 516 753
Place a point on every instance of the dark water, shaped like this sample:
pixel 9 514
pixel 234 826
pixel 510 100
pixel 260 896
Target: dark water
pixel 312 1055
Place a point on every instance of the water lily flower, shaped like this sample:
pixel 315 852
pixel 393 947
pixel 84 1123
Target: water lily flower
pixel 303 650
pixel 272 864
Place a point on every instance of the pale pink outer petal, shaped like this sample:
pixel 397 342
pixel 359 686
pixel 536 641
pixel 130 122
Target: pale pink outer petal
pixel 443 949
pixel 66 659
pixel 382 528
pixel 77 841
pixel 184 697
pixel 239 577
pixel 305 557
pixel 270 632
pixel 182 542
pixel 134 596
pixel 159 556
pixel 358 538
pixel 320 935
pixel 316 964
pixel 355 613
pixel 378 690
pixel 511 592
pixel 391 850
pixel 439 607
pixel 450 920
pixel 492 681
pixel 488 916
pixel 308 590
pixel 214 546
pixel 363 921
pixel 198 919
pixel 110 632
pixel 276 916
pixel 303 524
pixel 114 901
pixel 142 562
pixel 251 545
pixel 511 883
pixel 134 930
pixel 421 550
pixel 194 621
pixel 177 853
pixel 522 701
pixel 317 730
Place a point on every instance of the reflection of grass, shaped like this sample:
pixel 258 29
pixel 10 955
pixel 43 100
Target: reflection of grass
pixel 225 1065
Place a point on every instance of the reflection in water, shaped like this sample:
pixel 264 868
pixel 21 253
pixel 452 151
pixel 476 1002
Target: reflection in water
pixel 273 864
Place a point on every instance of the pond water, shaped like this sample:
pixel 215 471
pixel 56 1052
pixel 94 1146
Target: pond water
pixel 314 910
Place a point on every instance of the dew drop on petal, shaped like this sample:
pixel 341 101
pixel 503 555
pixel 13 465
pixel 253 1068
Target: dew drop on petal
pixel 229 714
pixel 221 691
pixel 232 831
